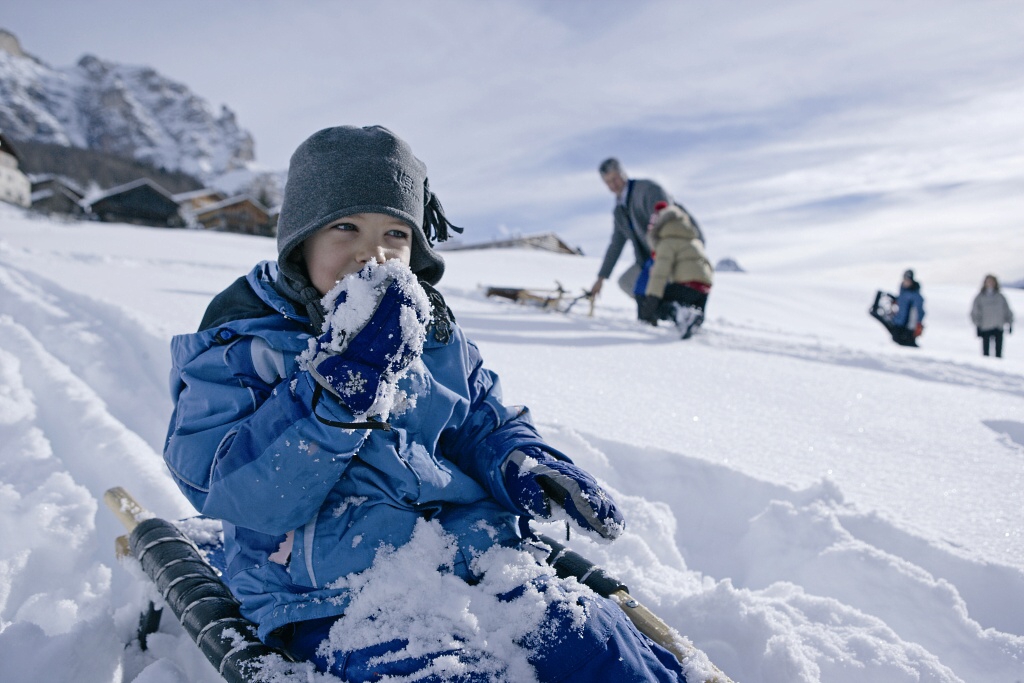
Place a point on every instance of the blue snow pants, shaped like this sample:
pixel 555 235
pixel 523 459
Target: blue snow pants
pixel 608 649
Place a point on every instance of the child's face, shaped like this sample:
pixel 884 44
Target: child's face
pixel 345 246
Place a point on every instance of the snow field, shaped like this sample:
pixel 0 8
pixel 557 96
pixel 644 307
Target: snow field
pixel 805 501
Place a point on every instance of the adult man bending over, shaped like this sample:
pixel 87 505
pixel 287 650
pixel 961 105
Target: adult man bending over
pixel 634 204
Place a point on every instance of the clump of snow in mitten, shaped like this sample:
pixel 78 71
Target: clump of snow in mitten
pixel 360 294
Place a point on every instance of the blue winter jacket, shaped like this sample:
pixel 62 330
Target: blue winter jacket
pixel 305 502
pixel 909 307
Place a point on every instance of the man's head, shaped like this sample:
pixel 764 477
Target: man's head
pixel 613 175
pixel 345 171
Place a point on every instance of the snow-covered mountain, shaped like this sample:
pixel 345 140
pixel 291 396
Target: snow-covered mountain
pixel 131 111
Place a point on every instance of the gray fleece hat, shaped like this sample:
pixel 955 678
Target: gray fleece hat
pixel 346 170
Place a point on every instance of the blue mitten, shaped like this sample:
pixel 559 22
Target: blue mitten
pixel 534 479
pixel 355 365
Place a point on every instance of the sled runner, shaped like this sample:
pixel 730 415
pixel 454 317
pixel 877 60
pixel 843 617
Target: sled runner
pixel 557 299
pixel 187 572
pixel 192 588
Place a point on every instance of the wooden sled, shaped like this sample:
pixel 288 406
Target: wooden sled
pixel 188 576
pixel 557 299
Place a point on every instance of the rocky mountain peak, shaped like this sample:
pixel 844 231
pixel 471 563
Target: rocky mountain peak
pixel 10 44
pixel 130 111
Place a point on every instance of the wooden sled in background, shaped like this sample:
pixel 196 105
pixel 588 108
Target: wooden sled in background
pixel 557 299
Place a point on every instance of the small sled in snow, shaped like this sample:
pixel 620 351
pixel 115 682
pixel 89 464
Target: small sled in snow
pixel 187 572
pixel 884 310
pixel 557 299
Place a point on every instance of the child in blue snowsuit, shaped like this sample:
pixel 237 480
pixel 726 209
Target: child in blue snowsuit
pixel 907 321
pixel 321 429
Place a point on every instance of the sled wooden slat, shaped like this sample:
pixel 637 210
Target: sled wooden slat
pixel 648 623
pixel 124 507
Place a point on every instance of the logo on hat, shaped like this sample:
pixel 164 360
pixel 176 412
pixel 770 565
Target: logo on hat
pixel 404 181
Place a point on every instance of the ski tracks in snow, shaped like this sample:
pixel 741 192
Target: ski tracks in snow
pixel 724 335
pixel 812 582
pixel 504 322
pixel 67 429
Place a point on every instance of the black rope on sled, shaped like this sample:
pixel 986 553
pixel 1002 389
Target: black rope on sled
pixel 318 393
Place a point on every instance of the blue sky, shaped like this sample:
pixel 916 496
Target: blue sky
pixel 750 112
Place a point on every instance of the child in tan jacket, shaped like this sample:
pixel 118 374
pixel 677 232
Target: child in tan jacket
pixel 681 276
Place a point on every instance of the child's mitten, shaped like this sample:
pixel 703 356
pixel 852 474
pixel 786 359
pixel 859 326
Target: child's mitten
pixel 534 479
pixel 354 366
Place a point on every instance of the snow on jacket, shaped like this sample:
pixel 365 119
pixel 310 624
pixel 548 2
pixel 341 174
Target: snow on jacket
pixel 991 311
pixel 909 307
pixel 678 253
pixel 306 503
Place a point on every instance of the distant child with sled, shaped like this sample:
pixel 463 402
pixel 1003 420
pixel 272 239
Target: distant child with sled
pixel 680 276
pixel 903 314
pixel 990 313
pixel 333 414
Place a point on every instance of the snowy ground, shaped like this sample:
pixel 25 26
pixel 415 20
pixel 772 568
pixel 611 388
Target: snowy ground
pixel 805 500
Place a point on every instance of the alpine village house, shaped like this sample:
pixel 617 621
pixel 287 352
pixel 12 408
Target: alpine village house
pixel 15 187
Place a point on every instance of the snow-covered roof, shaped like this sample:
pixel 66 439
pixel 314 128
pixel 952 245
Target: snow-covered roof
pixel 37 178
pixel 120 189
pixel 548 241
pixel 194 194
pixel 231 201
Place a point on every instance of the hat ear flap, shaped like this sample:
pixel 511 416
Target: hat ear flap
pixel 435 224
pixel 426 263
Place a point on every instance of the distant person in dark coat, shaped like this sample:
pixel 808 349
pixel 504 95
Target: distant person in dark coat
pixel 634 204
pixel 990 313
pixel 905 321
pixel 909 318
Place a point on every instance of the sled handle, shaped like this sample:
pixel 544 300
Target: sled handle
pixel 569 563
pixel 650 624
pixel 125 508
